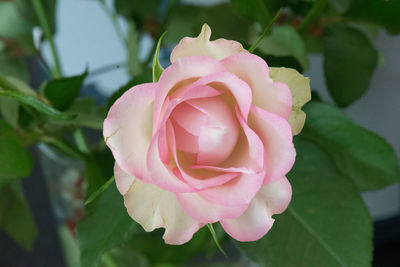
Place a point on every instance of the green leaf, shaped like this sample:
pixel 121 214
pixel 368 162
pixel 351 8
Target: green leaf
pixel 106 224
pixel 99 168
pixel 62 92
pixel 15 160
pixel 367 159
pixel 15 216
pixel 215 238
pixel 326 224
pixel 259 10
pixel 12 65
pixel 37 104
pixel 157 69
pixel 350 60
pixel 385 13
pixel 134 65
pixel 99 191
pixel 285 41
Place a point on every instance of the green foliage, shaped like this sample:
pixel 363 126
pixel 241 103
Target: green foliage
pixel 15 161
pixel 285 41
pixel 259 10
pixel 106 224
pixel 62 92
pixel 350 60
pixel 326 224
pixel 15 216
pixel 99 169
pixel 364 157
pixel 385 13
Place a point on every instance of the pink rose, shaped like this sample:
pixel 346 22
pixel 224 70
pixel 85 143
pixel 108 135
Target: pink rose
pixel 211 141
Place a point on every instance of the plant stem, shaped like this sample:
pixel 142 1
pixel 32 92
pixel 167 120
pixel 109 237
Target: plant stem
pixel 114 19
pixel 107 68
pixel 315 10
pixel 265 32
pixel 63 147
pixel 81 141
pixel 37 5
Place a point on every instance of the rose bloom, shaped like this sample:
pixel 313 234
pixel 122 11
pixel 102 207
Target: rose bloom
pixel 211 141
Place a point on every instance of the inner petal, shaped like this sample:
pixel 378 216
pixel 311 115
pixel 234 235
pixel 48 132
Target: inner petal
pixel 218 136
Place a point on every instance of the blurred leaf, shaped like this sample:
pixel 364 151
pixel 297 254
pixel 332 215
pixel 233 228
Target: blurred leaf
pixel 157 69
pixel 86 114
pixel 15 160
pixel 361 155
pixel 285 41
pixel 14 26
pixel 350 60
pixel 9 109
pixel 385 13
pixel 259 10
pixel 124 256
pixel 106 224
pixel 326 224
pixel 15 216
pixel 341 5
pixel 12 65
pixel 62 92
pixel 37 104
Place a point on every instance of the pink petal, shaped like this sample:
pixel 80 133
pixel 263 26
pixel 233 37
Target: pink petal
pixel 181 73
pixel 184 140
pixel 189 118
pixel 198 179
pixel 218 136
pixel 255 222
pixel 201 46
pixel 205 211
pixel 226 81
pixel 161 174
pixel 276 135
pixel 267 94
pixel 127 129
pixel 153 208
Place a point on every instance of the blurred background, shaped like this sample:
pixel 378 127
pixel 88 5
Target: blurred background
pixel 99 36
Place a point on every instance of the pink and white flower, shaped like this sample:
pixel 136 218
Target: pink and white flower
pixel 211 141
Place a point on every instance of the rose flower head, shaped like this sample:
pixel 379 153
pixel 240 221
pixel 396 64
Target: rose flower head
pixel 210 141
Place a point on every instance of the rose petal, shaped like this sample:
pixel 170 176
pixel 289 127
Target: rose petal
pixel 218 136
pixel 301 94
pixel 205 211
pixel 276 135
pixel 198 179
pixel 181 73
pixel 122 179
pixel 201 46
pixel 127 129
pixel 161 174
pixel 255 222
pixel 153 208
pixel 267 94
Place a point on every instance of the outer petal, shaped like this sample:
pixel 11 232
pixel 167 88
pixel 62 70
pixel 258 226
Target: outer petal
pixel 201 46
pixel 267 94
pixel 154 208
pixel 127 129
pixel 276 135
pixel 256 221
pixel 301 94
pixel 206 211
pixel 122 179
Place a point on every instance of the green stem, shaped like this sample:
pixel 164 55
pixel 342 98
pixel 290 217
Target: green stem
pixel 81 141
pixel 214 235
pixel 316 9
pixel 265 32
pixel 37 5
pixel 63 147
pixel 114 20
